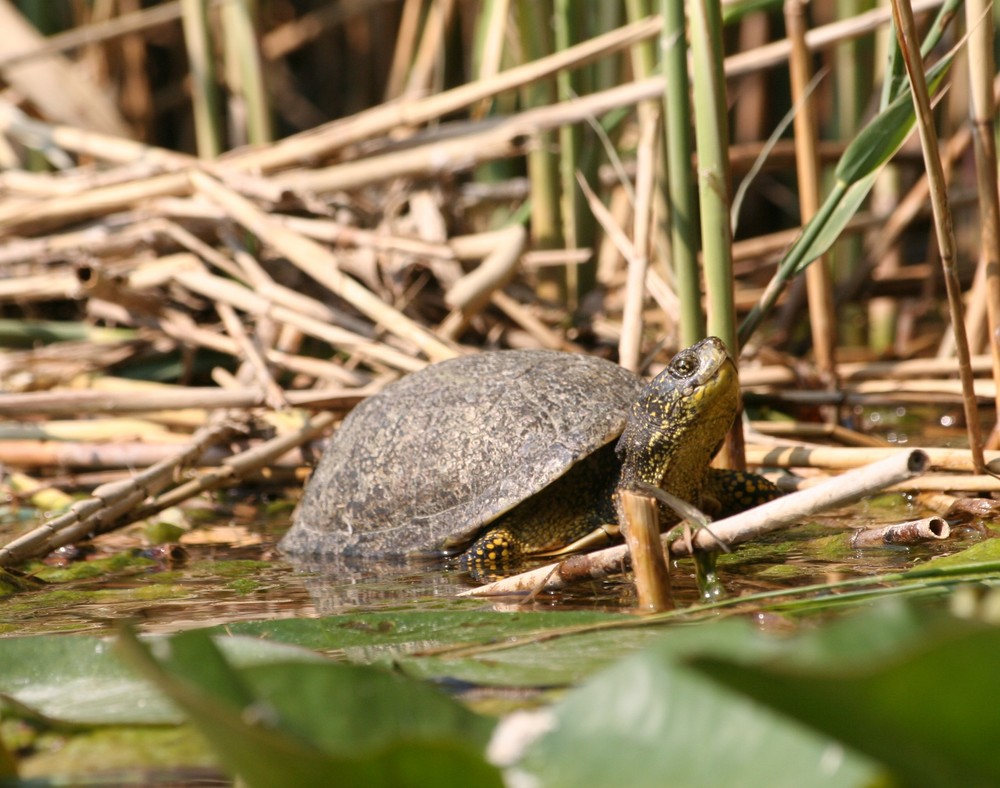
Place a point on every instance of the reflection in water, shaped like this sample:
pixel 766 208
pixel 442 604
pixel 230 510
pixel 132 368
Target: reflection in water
pixel 224 583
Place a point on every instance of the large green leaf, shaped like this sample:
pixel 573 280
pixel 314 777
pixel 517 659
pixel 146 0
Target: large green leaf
pixel 652 720
pixel 927 710
pixel 317 724
pixel 78 680
pixel 901 691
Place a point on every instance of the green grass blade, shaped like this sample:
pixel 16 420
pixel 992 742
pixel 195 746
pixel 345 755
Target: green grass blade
pixel 855 175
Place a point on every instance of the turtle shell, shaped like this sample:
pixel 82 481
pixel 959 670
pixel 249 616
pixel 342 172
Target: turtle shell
pixel 442 452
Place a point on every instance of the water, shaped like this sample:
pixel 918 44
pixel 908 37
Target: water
pixel 248 579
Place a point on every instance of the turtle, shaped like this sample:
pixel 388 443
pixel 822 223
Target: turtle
pixel 505 454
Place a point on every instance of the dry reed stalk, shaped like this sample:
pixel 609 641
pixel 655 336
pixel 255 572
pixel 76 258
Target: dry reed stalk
pixel 306 314
pixel 425 69
pixel 317 262
pixel 118 503
pixel 236 467
pixel 177 398
pixel 641 529
pixel 630 346
pixel 58 88
pixel 292 35
pixel 968 482
pixel 980 388
pixel 108 428
pixel 102 30
pixel 539 332
pixel 42 185
pixel 320 143
pixel 819 38
pixel 983 109
pixel 805 430
pixel 772 516
pixel 930 393
pixel 97 240
pixel 123 452
pixel 46 214
pixel 470 294
pixel 114 149
pixel 443 151
pixel 59 284
pixel 406 44
pixel 251 354
pixel 846 458
pixel 929 529
pixel 111 501
pixel 477 148
pixel 818 285
pixel 909 45
pixel 780 375
pixel 338 234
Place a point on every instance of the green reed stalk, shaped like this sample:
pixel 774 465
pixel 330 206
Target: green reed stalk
pixel 204 88
pixel 680 181
pixel 243 68
pixel 543 164
pixel 680 149
pixel 577 232
pixel 712 139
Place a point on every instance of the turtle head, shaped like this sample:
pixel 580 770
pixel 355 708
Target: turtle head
pixel 679 420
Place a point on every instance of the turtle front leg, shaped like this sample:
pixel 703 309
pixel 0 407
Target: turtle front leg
pixel 732 492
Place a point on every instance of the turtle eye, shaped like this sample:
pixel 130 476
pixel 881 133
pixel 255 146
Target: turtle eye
pixel 683 366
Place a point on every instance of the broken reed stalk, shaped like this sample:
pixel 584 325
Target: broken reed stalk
pixel 640 520
pixel 909 45
pixel 772 516
pixel 929 529
pixel 117 504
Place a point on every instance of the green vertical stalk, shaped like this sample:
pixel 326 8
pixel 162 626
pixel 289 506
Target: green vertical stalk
pixel 712 139
pixel 543 167
pixel 853 86
pixel 573 204
pixel 677 125
pixel 244 68
pixel 204 89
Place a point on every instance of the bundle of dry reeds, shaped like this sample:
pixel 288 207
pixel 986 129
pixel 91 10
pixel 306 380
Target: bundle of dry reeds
pixel 508 188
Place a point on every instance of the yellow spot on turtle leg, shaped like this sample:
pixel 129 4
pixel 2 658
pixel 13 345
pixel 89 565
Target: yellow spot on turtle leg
pixel 494 549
